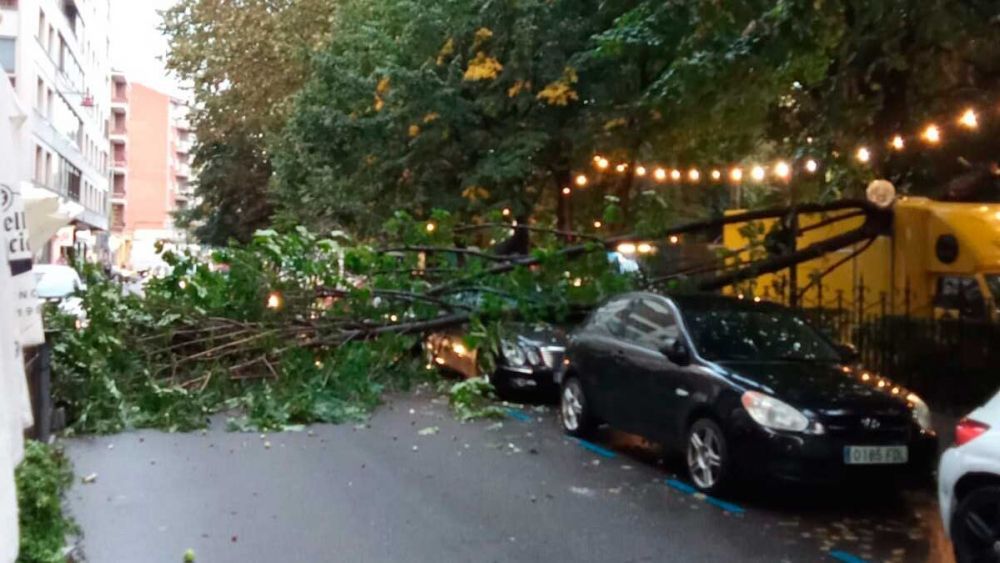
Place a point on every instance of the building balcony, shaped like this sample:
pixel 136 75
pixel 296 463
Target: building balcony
pixel 119 165
pixel 183 147
pixel 118 135
pixel 182 170
pixel 119 104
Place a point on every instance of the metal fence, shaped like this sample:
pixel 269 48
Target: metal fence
pixel 953 361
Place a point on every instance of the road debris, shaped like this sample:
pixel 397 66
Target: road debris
pixel 88 479
pixel 429 431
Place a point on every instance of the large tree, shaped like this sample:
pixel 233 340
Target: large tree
pixel 805 78
pixel 245 60
pixel 462 104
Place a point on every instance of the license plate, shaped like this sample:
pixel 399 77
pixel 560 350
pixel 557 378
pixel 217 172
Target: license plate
pixel 875 455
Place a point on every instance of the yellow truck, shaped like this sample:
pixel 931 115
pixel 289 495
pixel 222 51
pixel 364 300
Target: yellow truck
pixel 933 259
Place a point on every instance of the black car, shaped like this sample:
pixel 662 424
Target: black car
pixel 742 389
pixel 529 359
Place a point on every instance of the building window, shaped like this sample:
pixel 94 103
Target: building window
pixel 48 169
pixel 8 54
pixel 40 96
pixel 41 25
pixel 39 165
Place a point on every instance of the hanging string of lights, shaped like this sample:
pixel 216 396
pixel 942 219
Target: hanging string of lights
pixel 931 135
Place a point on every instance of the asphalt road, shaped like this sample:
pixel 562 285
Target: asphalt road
pixel 517 490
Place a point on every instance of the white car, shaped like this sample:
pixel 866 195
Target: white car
pixel 969 485
pixel 59 284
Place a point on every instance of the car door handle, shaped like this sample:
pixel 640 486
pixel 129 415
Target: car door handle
pixel 681 392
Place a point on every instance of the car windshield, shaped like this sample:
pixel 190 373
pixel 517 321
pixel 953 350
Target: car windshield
pixel 755 335
pixel 56 281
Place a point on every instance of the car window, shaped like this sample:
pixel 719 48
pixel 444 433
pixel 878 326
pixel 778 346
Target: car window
pixel 651 323
pixel 56 282
pixel 721 333
pixel 610 318
pixel 960 293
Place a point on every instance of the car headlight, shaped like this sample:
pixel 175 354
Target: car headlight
pixel 921 412
pixel 776 415
pixel 533 355
pixel 513 353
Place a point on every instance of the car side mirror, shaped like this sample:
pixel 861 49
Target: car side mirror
pixel 677 353
pixel 848 353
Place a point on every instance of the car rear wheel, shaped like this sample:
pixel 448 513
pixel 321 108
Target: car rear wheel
pixel 975 527
pixel 573 409
pixel 707 456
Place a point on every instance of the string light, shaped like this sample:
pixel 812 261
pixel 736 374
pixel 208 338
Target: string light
pixel 597 224
pixel 931 134
pixel 566 191
pixel 431 227
pixel 674 239
pixel 969 120
pixel 506 212
pixel 645 248
pixel 274 301
pixel 626 248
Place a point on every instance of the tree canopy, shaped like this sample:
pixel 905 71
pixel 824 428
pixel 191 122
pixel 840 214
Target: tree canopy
pixel 481 105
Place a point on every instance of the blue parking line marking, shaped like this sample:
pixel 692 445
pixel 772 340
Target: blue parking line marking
pixel 682 486
pixel 688 489
pixel 596 449
pixel 846 557
pixel 519 415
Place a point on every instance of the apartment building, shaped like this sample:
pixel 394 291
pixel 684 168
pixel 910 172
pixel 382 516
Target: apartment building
pixel 56 54
pixel 151 172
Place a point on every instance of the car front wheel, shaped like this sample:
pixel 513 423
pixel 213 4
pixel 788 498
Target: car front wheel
pixel 975 528
pixel 573 409
pixel 707 456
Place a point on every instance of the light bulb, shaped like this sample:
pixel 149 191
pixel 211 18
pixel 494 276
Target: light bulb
pixel 758 173
pixel 811 166
pixel 864 155
pixel 782 170
pixel 932 134
pixel 969 120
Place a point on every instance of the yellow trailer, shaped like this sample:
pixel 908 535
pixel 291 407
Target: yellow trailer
pixel 936 258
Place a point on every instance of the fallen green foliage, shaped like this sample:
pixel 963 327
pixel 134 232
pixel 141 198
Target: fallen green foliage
pixel 42 479
pixel 294 328
pixel 474 398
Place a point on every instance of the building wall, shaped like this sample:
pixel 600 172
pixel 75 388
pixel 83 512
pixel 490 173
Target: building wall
pixel 148 170
pixel 60 51
pixel 157 174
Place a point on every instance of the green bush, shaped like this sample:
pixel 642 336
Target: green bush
pixel 42 479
